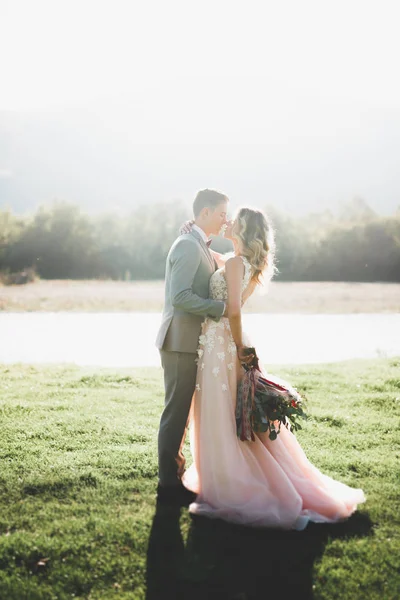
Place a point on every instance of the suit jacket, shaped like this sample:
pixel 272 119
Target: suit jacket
pixel 188 271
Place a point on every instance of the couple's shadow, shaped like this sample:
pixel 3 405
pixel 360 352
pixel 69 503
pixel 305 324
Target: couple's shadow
pixel 232 562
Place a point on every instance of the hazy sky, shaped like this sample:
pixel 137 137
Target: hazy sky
pixel 311 87
pixel 62 52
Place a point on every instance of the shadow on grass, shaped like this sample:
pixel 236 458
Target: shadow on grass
pixel 231 562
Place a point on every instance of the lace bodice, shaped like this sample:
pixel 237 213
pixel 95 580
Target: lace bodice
pixel 218 286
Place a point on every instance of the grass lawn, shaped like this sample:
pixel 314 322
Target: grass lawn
pixel 78 476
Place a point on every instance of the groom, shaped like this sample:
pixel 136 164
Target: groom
pixel 188 272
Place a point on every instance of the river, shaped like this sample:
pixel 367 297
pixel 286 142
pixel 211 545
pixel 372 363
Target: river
pixel 127 339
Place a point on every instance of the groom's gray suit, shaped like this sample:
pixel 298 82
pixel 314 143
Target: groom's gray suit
pixel 188 271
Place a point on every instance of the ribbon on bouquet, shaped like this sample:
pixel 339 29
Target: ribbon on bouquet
pixel 246 404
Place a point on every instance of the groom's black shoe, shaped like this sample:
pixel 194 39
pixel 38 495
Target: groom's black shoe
pixel 175 495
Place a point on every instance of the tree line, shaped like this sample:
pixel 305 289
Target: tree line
pixel 60 241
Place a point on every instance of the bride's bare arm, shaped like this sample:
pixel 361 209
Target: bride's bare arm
pixel 234 270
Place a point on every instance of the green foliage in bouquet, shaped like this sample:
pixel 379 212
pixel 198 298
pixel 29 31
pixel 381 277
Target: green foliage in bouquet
pixel 264 404
pixel 272 407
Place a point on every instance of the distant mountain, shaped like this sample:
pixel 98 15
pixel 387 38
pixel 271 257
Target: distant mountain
pixel 112 160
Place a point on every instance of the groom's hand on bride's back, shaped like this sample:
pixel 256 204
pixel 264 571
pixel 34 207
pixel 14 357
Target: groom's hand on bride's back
pixel 224 314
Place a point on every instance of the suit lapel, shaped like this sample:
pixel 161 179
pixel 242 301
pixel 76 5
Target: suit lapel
pixel 204 248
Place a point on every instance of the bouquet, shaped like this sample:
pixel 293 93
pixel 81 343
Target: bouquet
pixel 263 404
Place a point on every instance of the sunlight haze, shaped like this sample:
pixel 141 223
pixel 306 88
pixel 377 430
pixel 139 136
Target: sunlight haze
pixel 292 103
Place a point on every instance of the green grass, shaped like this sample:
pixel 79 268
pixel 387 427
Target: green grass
pixel 78 476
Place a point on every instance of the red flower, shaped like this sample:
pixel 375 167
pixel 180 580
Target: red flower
pixel 294 403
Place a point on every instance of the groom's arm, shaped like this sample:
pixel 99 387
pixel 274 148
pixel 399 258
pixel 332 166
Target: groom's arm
pixel 185 261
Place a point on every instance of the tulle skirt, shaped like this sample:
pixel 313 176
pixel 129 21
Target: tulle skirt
pixel 260 483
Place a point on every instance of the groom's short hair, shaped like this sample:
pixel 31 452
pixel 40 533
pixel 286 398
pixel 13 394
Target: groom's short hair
pixel 207 198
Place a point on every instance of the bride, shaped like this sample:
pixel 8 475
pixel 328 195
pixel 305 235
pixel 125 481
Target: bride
pixel 262 482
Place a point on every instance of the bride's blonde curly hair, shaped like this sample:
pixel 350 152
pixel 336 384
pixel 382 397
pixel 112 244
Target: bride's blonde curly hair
pixel 254 230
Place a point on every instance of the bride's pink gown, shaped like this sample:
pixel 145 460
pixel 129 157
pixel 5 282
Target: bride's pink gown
pixel 261 483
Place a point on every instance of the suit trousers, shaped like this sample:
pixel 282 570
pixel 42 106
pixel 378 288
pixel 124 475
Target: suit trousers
pixel 180 371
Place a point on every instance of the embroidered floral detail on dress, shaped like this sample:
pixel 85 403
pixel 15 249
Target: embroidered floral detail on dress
pixel 224 387
pixel 210 328
pixel 207 339
pixel 232 348
pixel 215 371
pixel 218 288
pixel 198 388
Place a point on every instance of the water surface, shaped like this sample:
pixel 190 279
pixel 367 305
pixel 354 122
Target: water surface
pixel 127 339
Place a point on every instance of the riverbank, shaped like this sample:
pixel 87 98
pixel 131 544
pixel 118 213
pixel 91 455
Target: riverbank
pixel 148 296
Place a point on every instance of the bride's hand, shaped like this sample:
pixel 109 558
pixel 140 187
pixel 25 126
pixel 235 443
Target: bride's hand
pixel 245 354
pixel 186 227
pixel 228 230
